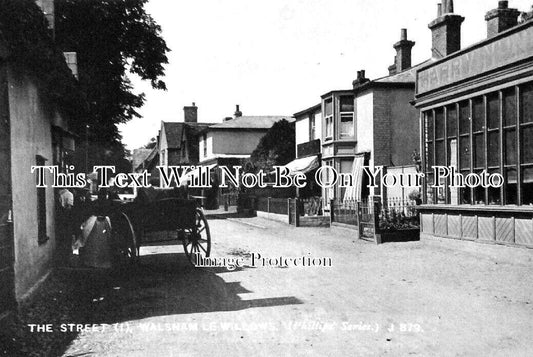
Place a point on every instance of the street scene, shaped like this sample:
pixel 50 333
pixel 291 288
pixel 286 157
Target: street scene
pixel 275 178
pixel 420 298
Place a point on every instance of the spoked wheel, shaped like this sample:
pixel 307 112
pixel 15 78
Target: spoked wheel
pixel 197 241
pixel 124 239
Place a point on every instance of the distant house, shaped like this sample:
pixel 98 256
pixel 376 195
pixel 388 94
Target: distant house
pixel 138 156
pixel 232 141
pixel 178 141
pixel 33 131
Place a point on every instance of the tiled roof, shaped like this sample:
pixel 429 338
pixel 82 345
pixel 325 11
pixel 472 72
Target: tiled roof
pixel 173 133
pixel 138 156
pixel 407 76
pixel 252 122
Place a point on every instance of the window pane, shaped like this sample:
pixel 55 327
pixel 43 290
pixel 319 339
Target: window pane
pixel 440 151
pixel 464 117
pixel 466 194
pixel 494 193
pixel 479 193
pixel 510 147
pixel 329 127
pixel 509 107
pixel 479 150
pixel 494 149
pixel 430 192
pixel 452 153
pixel 511 187
pixel 439 123
pixel 464 154
pixel 347 103
pixel 347 125
pixel 527 186
pixel 451 121
pixel 478 114
pixel 429 125
pixel 493 111
pixel 526 103
pixel 328 107
pixel 527 145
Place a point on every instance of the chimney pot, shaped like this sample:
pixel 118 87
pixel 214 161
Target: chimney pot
pixel 238 112
pixel 439 10
pixel 503 4
pixel 404 35
pixel 450 7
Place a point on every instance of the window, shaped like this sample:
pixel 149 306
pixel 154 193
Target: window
pixel 41 206
pixel 494 132
pixel 312 127
pixel 347 127
pixel 204 140
pixel 346 103
pixel 328 113
pixel 526 144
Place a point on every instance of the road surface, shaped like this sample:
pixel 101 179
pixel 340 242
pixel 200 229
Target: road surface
pixel 429 298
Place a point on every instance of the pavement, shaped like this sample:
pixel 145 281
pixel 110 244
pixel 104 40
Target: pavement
pixel 427 298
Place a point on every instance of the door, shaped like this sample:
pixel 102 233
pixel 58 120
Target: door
pixel 7 286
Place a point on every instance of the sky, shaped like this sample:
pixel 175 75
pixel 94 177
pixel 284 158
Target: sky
pixel 277 57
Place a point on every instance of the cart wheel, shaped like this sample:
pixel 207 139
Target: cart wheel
pixel 197 242
pixel 124 239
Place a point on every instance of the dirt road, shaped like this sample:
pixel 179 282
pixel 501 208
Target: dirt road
pixel 438 298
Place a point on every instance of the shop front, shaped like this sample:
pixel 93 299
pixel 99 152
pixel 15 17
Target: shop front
pixel 477 117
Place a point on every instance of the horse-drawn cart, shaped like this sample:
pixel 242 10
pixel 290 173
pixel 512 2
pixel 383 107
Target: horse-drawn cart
pixel 156 216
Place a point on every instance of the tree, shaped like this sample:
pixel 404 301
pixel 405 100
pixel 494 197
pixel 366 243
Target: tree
pixel 152 144
pixel 276 148
pixel 112 39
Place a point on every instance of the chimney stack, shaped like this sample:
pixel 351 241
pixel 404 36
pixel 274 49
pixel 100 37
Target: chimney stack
pixel 238 113
pixel 446 31
pixel 361 79
pixel 190 113
pixel 501 19
pixel 403 53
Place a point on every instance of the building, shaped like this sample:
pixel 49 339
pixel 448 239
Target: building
pixel 33 131
pixel 308 140
pixel 233 141
pixel 178 141
pixel 372 124
pixel 476 115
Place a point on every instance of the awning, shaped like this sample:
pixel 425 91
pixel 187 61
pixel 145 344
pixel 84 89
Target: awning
pixel 303 165
pixel 354 192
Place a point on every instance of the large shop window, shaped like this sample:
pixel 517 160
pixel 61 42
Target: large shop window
pixel 493 132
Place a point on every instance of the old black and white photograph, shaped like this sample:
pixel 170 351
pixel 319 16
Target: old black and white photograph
pixel 266 178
